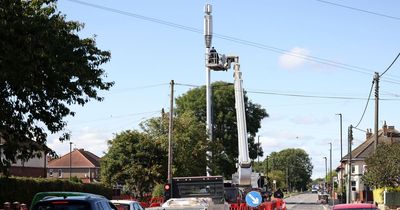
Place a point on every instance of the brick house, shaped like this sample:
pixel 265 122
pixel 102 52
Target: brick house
pixel 79 163
pixel 387 135
pixel 33 167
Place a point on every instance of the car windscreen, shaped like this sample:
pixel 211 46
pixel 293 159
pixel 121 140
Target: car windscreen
pixel 62 205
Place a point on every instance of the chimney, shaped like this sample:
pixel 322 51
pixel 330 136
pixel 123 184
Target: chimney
pixel 384 128
pixel 369 133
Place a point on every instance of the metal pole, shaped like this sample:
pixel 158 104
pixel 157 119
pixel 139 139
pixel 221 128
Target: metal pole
pixel 376 80
pixel 330 170
pixel 171 126
pixel 326 173
pixel 258 150
pixel 341 147
pixel 208 40
pixel 70 160
pixel 341 154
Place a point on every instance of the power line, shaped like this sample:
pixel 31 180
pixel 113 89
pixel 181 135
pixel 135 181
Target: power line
pixel 390 65
pixel 237 40
pixel 299 95
pixel 360 10
pixel 366 105
pixel 139 87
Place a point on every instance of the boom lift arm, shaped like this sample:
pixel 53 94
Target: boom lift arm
pixel 244 176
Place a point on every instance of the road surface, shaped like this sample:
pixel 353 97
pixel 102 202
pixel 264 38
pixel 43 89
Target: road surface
pixel 305 201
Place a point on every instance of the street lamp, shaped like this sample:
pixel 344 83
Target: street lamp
pixel 341 148
pixel 326 173
pixel 330 168
pixel 70 160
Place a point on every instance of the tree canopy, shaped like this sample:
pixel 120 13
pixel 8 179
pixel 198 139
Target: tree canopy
pixel 138 156
pixel 44 67
pixel 135 161
pixel 383 166
pixel 225 141
pixel 295 164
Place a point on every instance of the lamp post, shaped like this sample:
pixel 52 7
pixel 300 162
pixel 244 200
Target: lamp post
pixel 330 169
pixel 326 173
pixel 341 148
pixel 258 151
pixel 70 160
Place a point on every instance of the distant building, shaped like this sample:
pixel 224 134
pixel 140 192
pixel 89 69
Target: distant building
pixel 33 167
pixel 387 135
pixel 79 163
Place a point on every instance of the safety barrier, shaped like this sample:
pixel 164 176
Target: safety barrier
pixel 276 204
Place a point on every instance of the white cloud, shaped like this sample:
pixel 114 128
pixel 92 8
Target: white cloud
pixel 89 139
pixel 294 58
pixel 309 120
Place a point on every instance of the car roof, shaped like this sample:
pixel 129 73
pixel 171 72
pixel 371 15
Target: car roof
pixel 355 206
pixel 124 201
pixel 41 195
pixel 79 197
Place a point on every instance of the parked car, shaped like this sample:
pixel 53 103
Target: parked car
pixel 43 195
pixel 75 202
pixel 127 205
pixel 356 206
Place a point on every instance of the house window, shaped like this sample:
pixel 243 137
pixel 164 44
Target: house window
pixel 51 172
pixel 364 169
pixel 353 169
pixel 353 185
pixel 59 173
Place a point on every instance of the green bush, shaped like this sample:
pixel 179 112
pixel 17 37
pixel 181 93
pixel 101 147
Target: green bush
pixel 23 189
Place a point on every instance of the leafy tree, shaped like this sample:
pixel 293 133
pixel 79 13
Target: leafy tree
pixel 44 67
pixel 383 166
pixel 134 160
pixel 279 177
pixel 224 146
pixel 189 142
pixel 295 164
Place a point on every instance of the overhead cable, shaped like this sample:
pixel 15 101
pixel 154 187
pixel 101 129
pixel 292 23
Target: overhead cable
pixel 366 105
pixel 390 65
pixel 236 40
pixel 360 10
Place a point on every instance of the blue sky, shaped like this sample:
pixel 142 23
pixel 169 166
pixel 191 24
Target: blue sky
pixel 303 48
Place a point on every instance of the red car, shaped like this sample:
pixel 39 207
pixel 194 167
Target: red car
pixel 357 206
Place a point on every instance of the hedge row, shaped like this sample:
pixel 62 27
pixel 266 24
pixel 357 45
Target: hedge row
pixel 23 189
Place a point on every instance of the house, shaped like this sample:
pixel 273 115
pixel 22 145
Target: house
pixel 388 135
pixel 78 163
pixel 33 167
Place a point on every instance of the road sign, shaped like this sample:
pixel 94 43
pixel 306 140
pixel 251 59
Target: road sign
pixel 253 199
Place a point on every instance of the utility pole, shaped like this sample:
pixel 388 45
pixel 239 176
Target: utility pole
pixel 326 174
pixel 376 80
pixel 350 140
pixel 70 160
pixel 208 40
pixel 171 126
pixel 258 150
pixel 341 147
pixel 330 170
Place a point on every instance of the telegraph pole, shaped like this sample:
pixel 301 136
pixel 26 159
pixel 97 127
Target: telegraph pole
pixel 171 126
pixel 208 40
pixel 350 138
pixel 70 160
pixel 376 80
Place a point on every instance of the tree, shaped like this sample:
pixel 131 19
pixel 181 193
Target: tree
pixel 189 142
pixel 135 161
pixel 224 146
pixel 295 164
pixel 44 67
pixel 383 166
